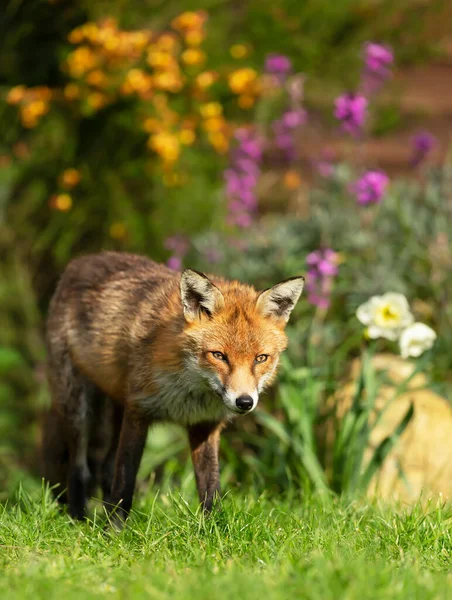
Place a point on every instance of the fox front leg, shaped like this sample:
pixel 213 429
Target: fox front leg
pixel 132 440
pixel 204 443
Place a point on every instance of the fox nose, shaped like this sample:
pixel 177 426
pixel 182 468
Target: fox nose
pixel 244 402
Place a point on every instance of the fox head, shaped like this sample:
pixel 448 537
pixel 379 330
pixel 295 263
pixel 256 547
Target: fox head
pixel 234 335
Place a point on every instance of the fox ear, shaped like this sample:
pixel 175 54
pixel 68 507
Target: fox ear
pixel 199 295
pixel 279 300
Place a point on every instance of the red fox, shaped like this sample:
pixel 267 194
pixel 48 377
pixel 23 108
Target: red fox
pixel 131 343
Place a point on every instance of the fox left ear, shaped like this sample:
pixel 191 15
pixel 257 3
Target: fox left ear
pixel 199 295
pixel 279 300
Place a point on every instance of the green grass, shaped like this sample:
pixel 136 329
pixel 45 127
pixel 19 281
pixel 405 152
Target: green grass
pixel 255 548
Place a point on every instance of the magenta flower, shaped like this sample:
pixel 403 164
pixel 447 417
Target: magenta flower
pixel 179 245
pixel 351 110
pixel 423 143
pixel 370 188
pixel 323 267
pixel 378 59
pixel 241 178
pixel 324 165
pixel 294 118
pixel 174 262
pixel 277 64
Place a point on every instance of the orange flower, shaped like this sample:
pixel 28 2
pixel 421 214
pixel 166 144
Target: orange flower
pixel 206 79
pixel 166 145
pixel 71 91
pixel 187 137
pixel 242 80
pixel 219 141
pixel 16 94
pixel 70 178
pixel 167 42
pixel 97 78
pixel 211 109
pixel 246 101
pixel 32 112
pixel 292 180
pixel 193 56
pixel 81 60
pixel 96 100
pixel 194 37
pixel 152 125
pixel 170 81
pixel 136 81
pixel 214 124
pixel 62 202
pixel 189 20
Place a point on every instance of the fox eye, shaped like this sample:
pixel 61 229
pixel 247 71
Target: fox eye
pixel 219 355
pixel 261 358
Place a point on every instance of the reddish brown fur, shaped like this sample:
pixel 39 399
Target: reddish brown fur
pixel 117 331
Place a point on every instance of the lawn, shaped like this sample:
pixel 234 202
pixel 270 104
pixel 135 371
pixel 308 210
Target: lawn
pixel 256 547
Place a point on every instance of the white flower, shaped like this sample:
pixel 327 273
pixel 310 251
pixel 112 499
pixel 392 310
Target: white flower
pixel 416 339
pixel 385 316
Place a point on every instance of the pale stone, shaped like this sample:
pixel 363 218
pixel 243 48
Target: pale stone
pixel 424 452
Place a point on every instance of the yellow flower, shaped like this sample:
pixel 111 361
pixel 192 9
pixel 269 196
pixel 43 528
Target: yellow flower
pixel 188 20
pixel 32 112
pixel 118 231
pixel 206 79
pixel 211 109
pixel 219 141
pixel 166 145
pixel 193 56
pixel 96 100
pixel 160 59
pixel 81 60
pixel 187 137
pixel 16 94
pixel 62 202
pixel 152 125
pixel 70 178
pixel 194 37
pixel 242 80
pixel 97 78
pixel 136 81
pixel 214 124
pixel 167 42
pixel 76 35
pixel 170 81
pixel 245 101
pixel 238 51
pixel 71 91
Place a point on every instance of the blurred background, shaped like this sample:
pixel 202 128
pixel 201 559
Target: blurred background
pixel 258 140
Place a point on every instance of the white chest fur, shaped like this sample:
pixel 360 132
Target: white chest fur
pixel 185 399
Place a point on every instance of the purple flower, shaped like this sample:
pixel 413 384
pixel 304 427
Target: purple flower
pixel 277 64
pixel 242 176
pixel 324 164
pixel 351 110
pixel 378 59
pixel 423 142
pixel 174 262
pixel 370 188
pixel 294 118
pixel 323 267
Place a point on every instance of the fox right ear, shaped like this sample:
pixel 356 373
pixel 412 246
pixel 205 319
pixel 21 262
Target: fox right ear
pixel 199 295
